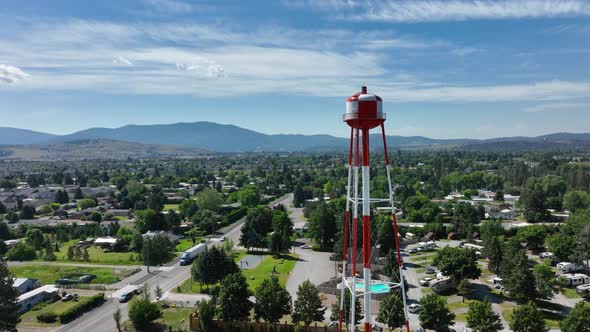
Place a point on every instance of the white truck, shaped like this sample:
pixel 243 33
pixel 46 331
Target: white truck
pixel 188 256
pixel 426 246
pixel 584 291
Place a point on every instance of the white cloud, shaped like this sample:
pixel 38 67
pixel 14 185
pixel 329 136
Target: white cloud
pixel 452 10
pixel 556 107
pixel 11 75
pixel 170 6
pixel 122 61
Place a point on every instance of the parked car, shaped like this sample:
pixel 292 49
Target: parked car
pixel 429 269
pixel 305 246
pixel 413 251
pixel 414 308
pixel 546 254
pixel 425 282
pixel 67 297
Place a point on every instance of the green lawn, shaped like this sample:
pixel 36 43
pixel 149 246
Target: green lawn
pixel 173 319
pixel 48 274
pixel 551 321
pixel 121 218
pixel 570 293
pixel 97 256
pixel 263 270
pixel 174 207
pixel 184 244
pixel 254 276
pixel 29 318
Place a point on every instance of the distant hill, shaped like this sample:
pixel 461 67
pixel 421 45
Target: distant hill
pixel 229 138
pixel 22 136
pixel 96 149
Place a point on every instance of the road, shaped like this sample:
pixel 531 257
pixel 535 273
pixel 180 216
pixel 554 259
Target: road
pixel 101 318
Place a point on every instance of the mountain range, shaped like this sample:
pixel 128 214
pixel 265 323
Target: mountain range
pixel 216 137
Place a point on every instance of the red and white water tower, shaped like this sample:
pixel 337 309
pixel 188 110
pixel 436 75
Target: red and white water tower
pixel 364 111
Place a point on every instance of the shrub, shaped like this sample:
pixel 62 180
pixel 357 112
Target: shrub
pixel 236 214
pixel 21 252
pixel 47 317
pixel 82 306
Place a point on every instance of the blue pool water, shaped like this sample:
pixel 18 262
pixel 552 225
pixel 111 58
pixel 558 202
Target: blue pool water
pixel 375 288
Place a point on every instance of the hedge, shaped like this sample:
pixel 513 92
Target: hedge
pixel 80 308
pixel 236 214
pixel 47 317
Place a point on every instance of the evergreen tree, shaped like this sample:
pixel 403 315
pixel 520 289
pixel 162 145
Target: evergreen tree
pixel 526 318
pixel 519 281
pixel 308 305
pixel 391 311
pixel 494 251
pixel 481 317
pixel 9 307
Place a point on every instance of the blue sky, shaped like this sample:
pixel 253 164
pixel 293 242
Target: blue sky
pixel 445 69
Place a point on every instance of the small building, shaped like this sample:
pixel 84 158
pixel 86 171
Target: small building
pixel 410 236
pixel 23 285
pixel 41 294
pixel 105 242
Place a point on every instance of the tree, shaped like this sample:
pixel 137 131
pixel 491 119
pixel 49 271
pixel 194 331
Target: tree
pixel 150 220
pixel 9 307
pixel 464 288
pixel 576 200
pixel 544 280
pixel 35 238
pixel 519 279
pixel 78 194
pixel 280 240
pixel 457 262
pixel 206 311
pixel 85 255
pixel 526 318
pixel 28 212
pixel 61 197
pixel 142 312
pixel 96 216
pixel 12 217
pixel 233 298
pixel 117 318
pixel 298 195
pixel 323 226
pixel 435 314
pixel 208 199
pixel 534 235
pixel 347 312
pixel 157 250
pixel 391 311
pixel 386 235
pixel 213 265
pixel 499 196
pixel 481 317
pixel 491 228
pixel 272 301
pixel 49 252
pixel 249 196
pixel 534 199
pixel 308 305
pixel 578 319
pixel 494 250
pixel 86 203
pixel 21 252
pixel 2 208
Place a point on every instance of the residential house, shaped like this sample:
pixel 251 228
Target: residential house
pixel 41 294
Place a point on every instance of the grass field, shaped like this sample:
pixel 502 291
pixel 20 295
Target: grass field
pixel 570 293
pixel 254 276
pixel 263 270
pixel 29 318
pixel 551 320
pixel 48 274
pixel 184 244
pixel 173 319
pixel 174 207
pixel 97 256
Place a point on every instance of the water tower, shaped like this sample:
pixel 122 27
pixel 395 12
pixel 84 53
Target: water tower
pixel 364 112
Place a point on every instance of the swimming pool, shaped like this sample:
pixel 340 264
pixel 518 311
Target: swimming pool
pixel 375 288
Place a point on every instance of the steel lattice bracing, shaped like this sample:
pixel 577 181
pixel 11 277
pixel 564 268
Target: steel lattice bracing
pixel 364 113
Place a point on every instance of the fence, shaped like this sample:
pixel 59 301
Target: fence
pixel 247 326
